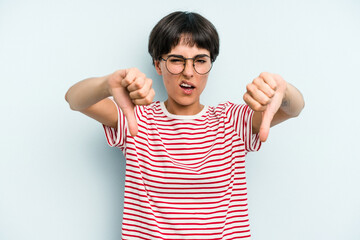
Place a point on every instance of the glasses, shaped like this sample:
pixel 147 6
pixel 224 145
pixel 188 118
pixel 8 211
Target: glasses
pixel 175 64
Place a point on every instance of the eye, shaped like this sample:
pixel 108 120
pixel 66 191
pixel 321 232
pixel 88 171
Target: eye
pixel 201 60
pixel 176 60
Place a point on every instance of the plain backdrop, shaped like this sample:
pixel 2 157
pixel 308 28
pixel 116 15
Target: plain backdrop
pixel 59 179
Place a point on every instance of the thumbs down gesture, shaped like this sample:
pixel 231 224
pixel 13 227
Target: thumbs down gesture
pixel 130 87
pixel 266 95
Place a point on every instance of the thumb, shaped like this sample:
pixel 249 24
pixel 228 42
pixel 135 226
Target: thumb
pixel 130 118
pixel 124 102
pixel 265 125
pixel 268 115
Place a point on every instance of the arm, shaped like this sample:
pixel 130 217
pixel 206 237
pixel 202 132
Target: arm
pixel 273 100
pixel 90 97
pixel 127 86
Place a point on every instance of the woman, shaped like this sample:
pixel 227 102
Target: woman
pixel 185 161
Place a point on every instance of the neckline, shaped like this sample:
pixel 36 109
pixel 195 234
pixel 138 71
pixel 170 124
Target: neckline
pixel 166 112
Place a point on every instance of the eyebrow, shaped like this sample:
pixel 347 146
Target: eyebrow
pixel 180 56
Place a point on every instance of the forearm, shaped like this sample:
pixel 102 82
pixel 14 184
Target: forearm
pixel 291 106
pixel 273 101
pixel 292 103
pixel 87 92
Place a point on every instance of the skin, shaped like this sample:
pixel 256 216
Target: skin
pixel 178 102
pixel 273 100
pixel 129 87
pixel 269 95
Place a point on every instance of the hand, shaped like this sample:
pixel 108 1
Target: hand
pixel 130 87
pixel 265 94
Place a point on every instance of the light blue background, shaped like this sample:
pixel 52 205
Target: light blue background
pixel 59 179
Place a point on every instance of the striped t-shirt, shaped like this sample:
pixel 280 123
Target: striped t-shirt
pixel 185 175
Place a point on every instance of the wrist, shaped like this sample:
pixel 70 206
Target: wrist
pixel 286 93
pixel 285 103
pixel 292 102
pixel 105 85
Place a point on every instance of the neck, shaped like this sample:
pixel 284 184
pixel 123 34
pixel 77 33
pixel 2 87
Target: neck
pixel 178 109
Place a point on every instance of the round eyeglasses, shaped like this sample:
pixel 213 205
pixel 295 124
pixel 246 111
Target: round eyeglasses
pixel 175 64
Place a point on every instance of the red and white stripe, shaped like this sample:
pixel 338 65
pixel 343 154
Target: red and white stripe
pixel 185 175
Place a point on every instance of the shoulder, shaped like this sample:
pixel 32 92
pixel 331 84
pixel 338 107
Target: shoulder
pixel 152 109
pixel 154 106
pixel 229 108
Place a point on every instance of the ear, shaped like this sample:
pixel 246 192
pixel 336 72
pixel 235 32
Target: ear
pixel 158 67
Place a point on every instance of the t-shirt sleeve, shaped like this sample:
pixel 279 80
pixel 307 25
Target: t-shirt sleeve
pixel 240 115
pixel 116 137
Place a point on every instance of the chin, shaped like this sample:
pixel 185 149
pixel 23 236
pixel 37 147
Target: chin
pixel 186 101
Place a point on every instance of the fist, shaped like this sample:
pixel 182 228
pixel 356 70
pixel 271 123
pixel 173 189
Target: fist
pixel 265 94
pixel 130 87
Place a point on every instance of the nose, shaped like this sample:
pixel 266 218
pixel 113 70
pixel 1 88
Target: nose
pixel 188 68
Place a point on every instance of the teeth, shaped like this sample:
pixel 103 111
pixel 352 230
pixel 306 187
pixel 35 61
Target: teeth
pixel 185 85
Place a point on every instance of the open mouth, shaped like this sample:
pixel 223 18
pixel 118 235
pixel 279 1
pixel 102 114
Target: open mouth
pixel 186 86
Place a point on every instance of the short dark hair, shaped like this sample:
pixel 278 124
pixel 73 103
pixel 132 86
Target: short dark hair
pixel 168 32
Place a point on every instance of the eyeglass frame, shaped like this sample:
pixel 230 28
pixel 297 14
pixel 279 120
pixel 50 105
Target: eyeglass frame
pixel 185 60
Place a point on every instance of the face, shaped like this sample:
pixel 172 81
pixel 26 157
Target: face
pixel 183 89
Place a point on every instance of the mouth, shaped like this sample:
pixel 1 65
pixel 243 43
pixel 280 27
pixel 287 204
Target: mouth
pixel 187 86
